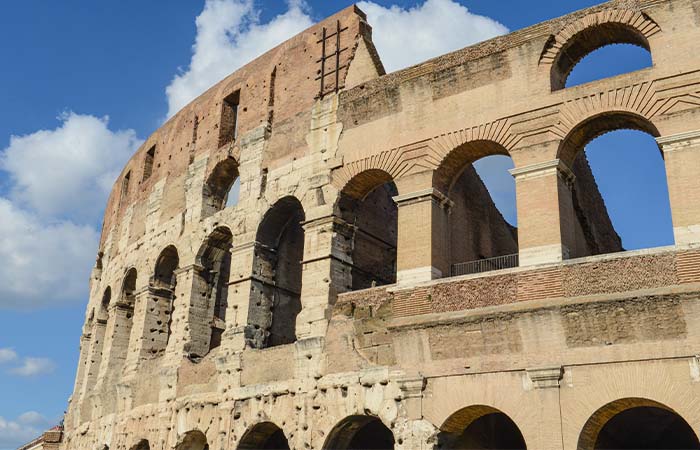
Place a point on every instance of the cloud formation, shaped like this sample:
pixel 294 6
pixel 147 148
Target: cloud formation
pixel 405 37
pixel 7 355
pixel 68 171
pixel 230 35
pixel 59 183
pixel 25 428
pixel 32 367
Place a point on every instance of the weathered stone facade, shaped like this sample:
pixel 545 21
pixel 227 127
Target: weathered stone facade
pixel 318 312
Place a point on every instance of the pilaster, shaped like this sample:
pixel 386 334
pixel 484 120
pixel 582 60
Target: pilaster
pixel 546 220
pixel 682 159
pixel 422 236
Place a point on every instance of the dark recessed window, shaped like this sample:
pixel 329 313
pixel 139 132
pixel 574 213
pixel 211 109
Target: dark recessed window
pixel 148 163
pixel 229 119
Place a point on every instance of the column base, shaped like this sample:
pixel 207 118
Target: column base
pixel 545 254
pixel 687 236
pixel 417 275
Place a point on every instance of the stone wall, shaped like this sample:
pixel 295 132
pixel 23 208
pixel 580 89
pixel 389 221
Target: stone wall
pixel 248 325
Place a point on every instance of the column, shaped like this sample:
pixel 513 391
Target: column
pixel 546 219
pixel 239 286
pixel 681 154
pixel 150 332
pixel 193 313
pixel 326 272
pixel 182 316
pixel 422 236
pixel 544 383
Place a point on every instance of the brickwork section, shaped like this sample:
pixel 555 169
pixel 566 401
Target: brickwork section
pixel 606 275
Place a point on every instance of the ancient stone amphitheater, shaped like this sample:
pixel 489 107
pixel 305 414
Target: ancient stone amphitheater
pixel 301 257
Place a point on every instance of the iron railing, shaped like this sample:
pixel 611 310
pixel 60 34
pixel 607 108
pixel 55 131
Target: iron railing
pixel 485 265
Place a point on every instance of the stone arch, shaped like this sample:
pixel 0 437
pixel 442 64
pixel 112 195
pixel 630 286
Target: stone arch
pixel 478 236
pixel 572 43
pixel 275 295
pixel 162 296
pixel 143 444
pixel 480 427
pixel 103 310
pixel 193 440
pixel 214 260
pixel 166 264
pixel 636 423
pixel 217 186
pixel 360 432
pixel 456 160
pixel 388 164
pixel 593 232
pixel 129 287
pixel 597 124
pixel 366 204
pixel 264 436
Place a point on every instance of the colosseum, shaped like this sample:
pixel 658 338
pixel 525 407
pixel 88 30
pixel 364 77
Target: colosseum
pixel 305 258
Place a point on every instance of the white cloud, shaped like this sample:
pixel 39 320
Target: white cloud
pixel 7 355
pixel 67 172
pixel 59 183
pixel 32 367
pixel 43 262
pixel 24 429
pixel 404 37
pixel 32 418
pixel 230 35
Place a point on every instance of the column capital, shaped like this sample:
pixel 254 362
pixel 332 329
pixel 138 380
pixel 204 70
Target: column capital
pixel 243 247
pixel 678 141
pixel 325 221
pixel 543 169
pixel 423 195
pixel 545 377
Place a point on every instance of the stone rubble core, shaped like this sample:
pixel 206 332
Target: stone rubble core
pixel 316 310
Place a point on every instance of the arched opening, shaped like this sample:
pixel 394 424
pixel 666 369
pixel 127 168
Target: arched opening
pixel 609 61
pixel 217 188
pixel 104 305
pixel 590 39
pixel 193 440
pixel 142 445
pixel 123 321
pixel 635 424
pixel 480 427
pixel 164 275
pixel 214 257
pixel 360 433
pixel 162 299
pixel 479 237
pixel 619 197
pixel 264 436
pixel 275 296
pixel 96 332
pixel 367 205
pixel 129 287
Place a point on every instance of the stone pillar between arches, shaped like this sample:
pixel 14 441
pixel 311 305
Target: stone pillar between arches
pixel 546 219
pixel 682 159
pixel 326 272
pixel 421 253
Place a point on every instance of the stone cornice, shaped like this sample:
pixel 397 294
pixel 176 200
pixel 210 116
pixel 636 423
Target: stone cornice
pixel 543 169
pixel 678 141
pixel 423 195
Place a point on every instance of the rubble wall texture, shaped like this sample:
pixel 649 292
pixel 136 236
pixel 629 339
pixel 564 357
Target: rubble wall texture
pixel 317 311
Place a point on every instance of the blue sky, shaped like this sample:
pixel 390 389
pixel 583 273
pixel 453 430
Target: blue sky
pixel 97 72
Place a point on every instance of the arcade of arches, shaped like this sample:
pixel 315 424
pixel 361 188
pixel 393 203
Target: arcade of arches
pixel 331 268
